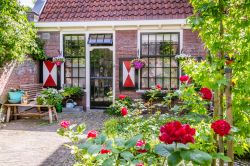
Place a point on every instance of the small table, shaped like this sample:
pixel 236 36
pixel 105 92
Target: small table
pixel 51 111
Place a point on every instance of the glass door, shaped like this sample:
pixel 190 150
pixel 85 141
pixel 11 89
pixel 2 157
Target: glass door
pixel 101 77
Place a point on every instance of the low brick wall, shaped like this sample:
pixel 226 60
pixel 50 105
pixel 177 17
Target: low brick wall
pixel 14 74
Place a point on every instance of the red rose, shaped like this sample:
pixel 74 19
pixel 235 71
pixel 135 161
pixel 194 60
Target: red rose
pixel 92 134
pixel 158 86
pixel 65 124
pixel 140 146
pixel 139 164
pixel 221 127
pixel 176 132
pixel 206 93
pixel 124 111
pixel 105 151
pixel 121 97
pixel 184 78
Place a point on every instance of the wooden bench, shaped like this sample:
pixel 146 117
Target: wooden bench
pixel 14 108
pixel 33 90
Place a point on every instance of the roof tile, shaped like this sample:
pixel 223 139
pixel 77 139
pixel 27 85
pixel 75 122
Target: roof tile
pixel 111 10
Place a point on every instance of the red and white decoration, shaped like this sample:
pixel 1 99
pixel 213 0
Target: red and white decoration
pixel 128 80
pixel 49 74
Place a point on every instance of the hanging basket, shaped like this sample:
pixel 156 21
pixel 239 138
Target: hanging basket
pixel 138 63
pixel 58 63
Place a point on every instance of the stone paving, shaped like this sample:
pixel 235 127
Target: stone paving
pixel 34 142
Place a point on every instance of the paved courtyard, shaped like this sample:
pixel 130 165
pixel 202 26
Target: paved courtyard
pixel 34 142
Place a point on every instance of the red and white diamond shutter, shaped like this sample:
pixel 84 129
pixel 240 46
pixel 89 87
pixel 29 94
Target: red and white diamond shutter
pixel 128 75
pixel 49 74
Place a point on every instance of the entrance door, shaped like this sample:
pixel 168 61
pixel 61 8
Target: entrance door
pixel 101 78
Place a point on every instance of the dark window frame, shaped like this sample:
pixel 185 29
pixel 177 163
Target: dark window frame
pixel 72 58
pixel 162 57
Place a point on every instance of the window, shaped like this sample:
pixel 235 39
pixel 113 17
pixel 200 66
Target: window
pixel 75 65
pixel 159 50
pixel 100 39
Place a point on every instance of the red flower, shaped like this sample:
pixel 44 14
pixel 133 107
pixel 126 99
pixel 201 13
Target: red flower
pixel 221 127
pixel 105 151
pixel 121 97
pixel 139 164
pixel 158 86
pixel 176 132
pixel 140 146
pixel 65 124
pixel 124 111
pixel 184 79
pixel 92 134
pixel 206 93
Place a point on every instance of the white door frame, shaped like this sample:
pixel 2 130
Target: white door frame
pixel 88 49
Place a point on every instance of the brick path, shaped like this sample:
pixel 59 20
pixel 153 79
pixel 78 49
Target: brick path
pixel 33 142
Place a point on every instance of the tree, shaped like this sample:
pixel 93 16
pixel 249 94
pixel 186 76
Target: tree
pixel 17 34
pixel 223 26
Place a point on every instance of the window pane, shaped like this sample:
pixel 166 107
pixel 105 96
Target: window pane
pixel 82 82
pixel 159 62
pixel 174 63
pixel 166 72
pixel 144 82
pixel 144 72
pixel 174 83
pixel 166 62
pixel 165 48
pixel 152 49
pixel 82 62
pixel 68 63
pixel 166 83
pixel 68 72
pixel 151 82
pixel 68 81
pixel 144 39
pixel 151 72
pixel 167 37
pixel 82 72
pixel 159 38
pixel 159 72
pixel 159 81
pixel 144 49
pixel 75 72
pixel 174 72
pixel 152 39
pixel 75 82
pixel 75 62
pixel 174 38
pixel 151 62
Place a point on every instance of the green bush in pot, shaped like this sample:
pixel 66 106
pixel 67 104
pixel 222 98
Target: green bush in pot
pixel 51 96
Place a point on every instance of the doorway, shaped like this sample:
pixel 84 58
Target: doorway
pixel 101 77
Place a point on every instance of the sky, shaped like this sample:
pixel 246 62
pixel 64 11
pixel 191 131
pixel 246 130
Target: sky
pixel 27 3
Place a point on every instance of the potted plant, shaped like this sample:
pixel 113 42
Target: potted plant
pixel 58 60
pixel 138 63
pixel 75 93
pixel 51 96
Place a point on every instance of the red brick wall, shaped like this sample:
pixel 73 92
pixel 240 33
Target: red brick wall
pixel 126 47
pixel 52 42
pixel 192 44
pixel 14 74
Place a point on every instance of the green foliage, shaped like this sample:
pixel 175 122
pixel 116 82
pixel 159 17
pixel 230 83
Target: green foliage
pixel 72 91
pixel 36 49
pixel 115 108
pixel 17 34
pixel 50 96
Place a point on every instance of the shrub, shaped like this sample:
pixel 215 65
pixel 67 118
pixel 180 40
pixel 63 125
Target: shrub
pixel 50 96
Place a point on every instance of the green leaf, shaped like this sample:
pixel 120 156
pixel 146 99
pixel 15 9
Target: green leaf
pixel 61 131
pixel 100 139
pixel 72 126
pixel 127 156
pixel 81 128
pixel 221 156
pixel 201 158
pixel 120 142
pixel 86 145
pixel 94 149
pixel 162 150
pixel 174 159
pixel 185 155
pixel 132 142
pixel 108 162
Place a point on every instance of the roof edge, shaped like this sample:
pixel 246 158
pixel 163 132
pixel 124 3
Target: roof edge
pixel 111 23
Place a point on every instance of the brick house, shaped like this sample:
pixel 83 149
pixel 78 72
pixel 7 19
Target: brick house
pixel 99 39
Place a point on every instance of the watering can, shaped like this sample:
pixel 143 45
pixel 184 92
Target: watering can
pixel 70 103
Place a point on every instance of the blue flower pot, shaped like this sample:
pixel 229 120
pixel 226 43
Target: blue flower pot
pixel 15 96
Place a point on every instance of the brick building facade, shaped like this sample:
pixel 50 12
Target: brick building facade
pixel 99 39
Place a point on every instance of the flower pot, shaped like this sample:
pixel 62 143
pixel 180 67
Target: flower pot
pixel 15 96
pixel 58 63
pixel 59 108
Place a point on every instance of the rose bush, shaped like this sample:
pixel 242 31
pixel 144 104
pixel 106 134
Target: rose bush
pixel 206 93
pixel 184 79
